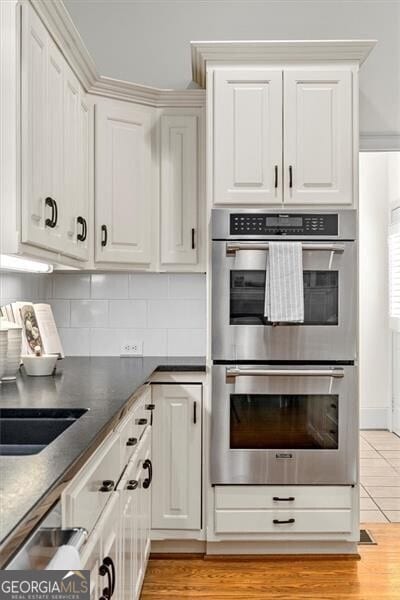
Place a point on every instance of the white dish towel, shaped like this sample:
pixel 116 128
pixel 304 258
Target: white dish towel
pixel 65 559
pixel 284 294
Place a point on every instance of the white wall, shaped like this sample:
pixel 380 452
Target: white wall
pixel 148 41
pixel 97 313
pixel 375 346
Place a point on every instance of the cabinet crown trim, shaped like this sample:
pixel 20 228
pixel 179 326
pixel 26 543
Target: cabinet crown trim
pixel 242 52
pixel 58 21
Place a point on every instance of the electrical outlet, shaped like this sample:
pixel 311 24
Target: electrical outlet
pixel 132 349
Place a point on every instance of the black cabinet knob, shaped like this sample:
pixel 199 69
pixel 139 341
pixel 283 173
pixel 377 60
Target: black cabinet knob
pixel 132 484
pixel 107 485
pixel 132 441
pixel 141 421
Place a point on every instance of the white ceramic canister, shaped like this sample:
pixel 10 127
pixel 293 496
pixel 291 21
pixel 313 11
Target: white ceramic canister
pixel 3 349
pixel 13 350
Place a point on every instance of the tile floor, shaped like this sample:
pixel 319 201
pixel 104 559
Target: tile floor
pixel 380 477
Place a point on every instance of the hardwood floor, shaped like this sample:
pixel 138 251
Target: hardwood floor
pixel 375 577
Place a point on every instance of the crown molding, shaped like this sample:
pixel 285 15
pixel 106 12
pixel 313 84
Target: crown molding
pixel 275 50
pixel 379 142
pixel 149 96
pixel 62 28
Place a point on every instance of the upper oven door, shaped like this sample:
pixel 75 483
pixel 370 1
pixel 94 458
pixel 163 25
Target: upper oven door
pixel 240 330
pixel 284 425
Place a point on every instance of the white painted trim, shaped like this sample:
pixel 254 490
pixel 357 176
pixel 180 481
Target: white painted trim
pixel 59 23
pixel 272 50
pixel 178 546
pixel 282 547
pixel 375 418
pixel 379 142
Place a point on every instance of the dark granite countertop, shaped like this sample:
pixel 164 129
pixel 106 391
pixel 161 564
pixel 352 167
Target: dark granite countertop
pixel 103 385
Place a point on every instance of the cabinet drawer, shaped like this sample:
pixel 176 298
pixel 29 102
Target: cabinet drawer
pixel 286 521
pixel 282 497
pixel 83 501
pixel 133 427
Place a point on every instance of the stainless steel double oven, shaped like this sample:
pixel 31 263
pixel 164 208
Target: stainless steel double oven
pixel 284 396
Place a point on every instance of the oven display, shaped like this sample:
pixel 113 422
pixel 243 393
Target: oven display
pixel 307 224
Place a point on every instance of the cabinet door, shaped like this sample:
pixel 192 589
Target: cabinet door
pixel 318 137
pixel 123 195
pixel 130 549
pixel 110 547
pixel 71 156
pixel 179 189
pixel 176 500
pixel 91 561
pixel 76 168
pixel 34 127
pixel 247 136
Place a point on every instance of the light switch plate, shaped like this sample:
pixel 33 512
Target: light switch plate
pixel 132 348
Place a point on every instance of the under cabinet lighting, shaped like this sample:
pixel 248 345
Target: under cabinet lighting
pixel 15 263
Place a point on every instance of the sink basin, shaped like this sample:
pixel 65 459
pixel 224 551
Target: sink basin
pixel 26 431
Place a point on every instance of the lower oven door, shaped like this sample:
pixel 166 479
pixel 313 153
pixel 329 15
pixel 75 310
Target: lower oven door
pixel 284 425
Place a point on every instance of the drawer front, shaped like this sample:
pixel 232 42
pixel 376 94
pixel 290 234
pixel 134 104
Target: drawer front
pixel 132 428
pixel 84 500
pixel 283 521
pixel 283 497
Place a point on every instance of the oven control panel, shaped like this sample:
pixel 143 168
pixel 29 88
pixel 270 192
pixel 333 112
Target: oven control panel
pixel 284 224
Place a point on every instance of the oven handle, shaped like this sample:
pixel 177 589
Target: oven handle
pixel 232 372
pixel 233 247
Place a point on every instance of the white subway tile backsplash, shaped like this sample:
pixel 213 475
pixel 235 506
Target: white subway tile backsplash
pixel 108 342
pixel 187 285
pixel 71 285
pixel 76 342
pixel 127 313
pixel 100 312
pixel 110 285
pixel 186 342
pixel 148 285
pixel 89 313
pixel 177 314
pixel 62 312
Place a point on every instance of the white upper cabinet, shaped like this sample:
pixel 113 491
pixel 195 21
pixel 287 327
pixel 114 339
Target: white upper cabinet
pixel 247 136
pixel 124 197
pixel 318 140
pixel 177 424
pixel 53 142
pixel 179 189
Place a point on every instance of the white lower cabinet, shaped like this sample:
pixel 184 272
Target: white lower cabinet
pixel 283 510
pixel 118 519
pixel 177 458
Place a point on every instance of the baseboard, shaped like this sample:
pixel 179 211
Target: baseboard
pixel 283 548
pixel 375 418
pixel 177 547
pixel 396 420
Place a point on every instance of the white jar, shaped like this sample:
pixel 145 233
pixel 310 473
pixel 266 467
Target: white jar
pixel 13 350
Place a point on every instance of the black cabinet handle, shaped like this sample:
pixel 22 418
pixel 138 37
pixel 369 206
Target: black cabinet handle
pixel 193 242
pixel 132 441
pixel 141 421
pixel 104 235
pixel 150 407
pixel 195 412
pixel 132 484
pixel 147 465
pixel 52 222
pixel 276 176
pixel 290 176
pixel 288 499
pixel 107 485
pixel 108 562
pixel 81 237
pixel 107 591
pixel 279 522
pixel 333 406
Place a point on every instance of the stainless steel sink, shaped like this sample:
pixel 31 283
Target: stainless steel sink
pixel 26 431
